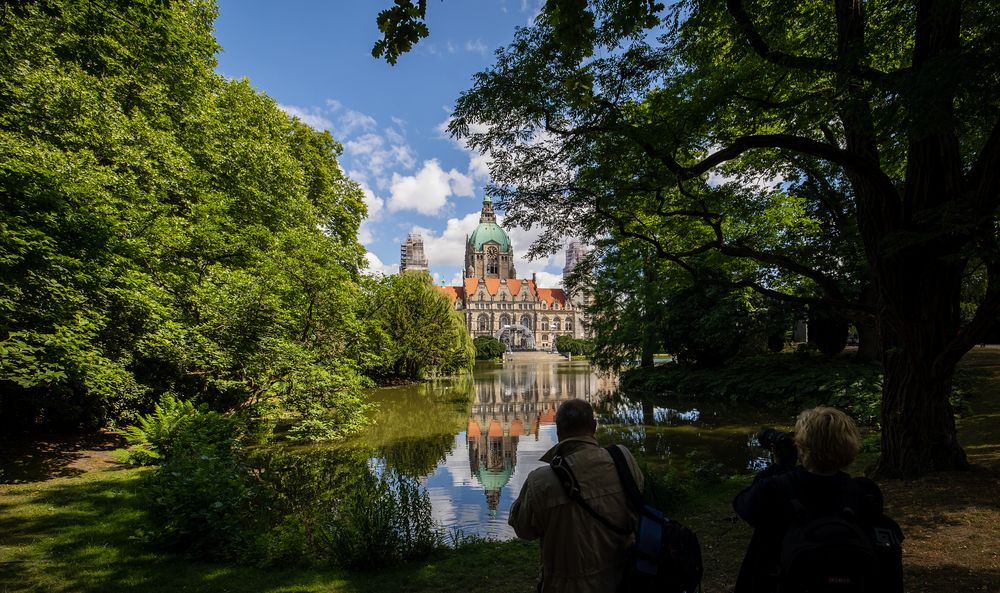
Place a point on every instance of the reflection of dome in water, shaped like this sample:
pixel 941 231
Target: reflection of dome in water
pixel 493 482
pixel 495 479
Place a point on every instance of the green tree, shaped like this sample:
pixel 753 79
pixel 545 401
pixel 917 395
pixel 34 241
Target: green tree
pixel 425 335
pixel 488 348
pixel 681 116
pixel 165 230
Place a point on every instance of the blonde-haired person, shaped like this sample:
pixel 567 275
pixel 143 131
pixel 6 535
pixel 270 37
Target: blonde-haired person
pixel 827 442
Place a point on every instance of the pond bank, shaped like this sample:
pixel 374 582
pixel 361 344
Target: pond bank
pixel 75 530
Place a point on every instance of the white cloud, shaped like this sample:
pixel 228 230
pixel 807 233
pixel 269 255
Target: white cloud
pixel 352 121
pixel 476 46
pixel 373 153
pixel 312 117
pixel 448 248
pixel 366 235
pixel 376 207
pixel 479 163
pixel 373 202
pixel 428 191
pixel 375 265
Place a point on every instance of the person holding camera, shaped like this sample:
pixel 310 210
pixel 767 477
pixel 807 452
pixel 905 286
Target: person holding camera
pixel 580 554
pixel 815 527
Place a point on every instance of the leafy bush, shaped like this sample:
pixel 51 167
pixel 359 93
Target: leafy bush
pixel 574 346
pixel 200 498
pixel 777 379
pixel 215 498
pixel 154 437
pixel 488 348
pixel 384 522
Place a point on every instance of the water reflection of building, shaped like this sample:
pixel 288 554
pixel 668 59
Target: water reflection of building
pixel 513 403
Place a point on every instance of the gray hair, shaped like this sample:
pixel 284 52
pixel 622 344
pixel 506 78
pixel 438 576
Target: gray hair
pixel 575 416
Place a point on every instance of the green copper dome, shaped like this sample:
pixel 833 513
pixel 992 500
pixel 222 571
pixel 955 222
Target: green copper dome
pixel 486 232
pixel 495 479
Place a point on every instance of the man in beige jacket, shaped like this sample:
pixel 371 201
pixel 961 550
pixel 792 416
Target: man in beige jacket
pixel 579 553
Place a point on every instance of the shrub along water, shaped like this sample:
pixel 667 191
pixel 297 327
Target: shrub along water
pixel 792 380
pixel 216 495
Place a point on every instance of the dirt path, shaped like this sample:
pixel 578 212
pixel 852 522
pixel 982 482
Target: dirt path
pixel 952 519
pixel 56 456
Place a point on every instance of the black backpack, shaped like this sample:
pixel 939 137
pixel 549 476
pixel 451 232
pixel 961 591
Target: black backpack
pixel 840 552
pixel 666 556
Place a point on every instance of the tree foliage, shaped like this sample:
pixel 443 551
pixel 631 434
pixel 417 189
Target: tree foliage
pixel 424 335
pixel 837 153
pixel 488 348
pixel 168 231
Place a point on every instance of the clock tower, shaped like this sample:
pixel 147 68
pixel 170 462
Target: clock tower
pixel 488 252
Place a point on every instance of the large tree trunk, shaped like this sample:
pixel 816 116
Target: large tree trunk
pixel 919 318
pixel 918 423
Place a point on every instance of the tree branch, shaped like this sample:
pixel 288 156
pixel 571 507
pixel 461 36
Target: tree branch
pixel 786 60
pixel 854 311
pixel 827 284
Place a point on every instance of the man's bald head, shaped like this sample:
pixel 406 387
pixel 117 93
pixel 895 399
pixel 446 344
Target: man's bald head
pixel 575 418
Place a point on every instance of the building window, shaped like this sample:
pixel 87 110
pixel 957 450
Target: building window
pixel 545 324
pixel 484 323
pixel 504 320
pixel 526 321
pixel 493 266
pixel 556 324
pixel 569 325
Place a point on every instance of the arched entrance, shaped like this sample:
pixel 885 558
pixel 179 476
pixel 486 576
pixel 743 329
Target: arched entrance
pixel 516 337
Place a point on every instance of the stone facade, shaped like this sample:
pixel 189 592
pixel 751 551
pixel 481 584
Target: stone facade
pixel 494 299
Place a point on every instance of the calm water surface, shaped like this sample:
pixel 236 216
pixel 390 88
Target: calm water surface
pixel 472 441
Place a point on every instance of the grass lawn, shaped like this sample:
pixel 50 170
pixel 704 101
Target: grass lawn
pixel 76 531
pixel 78 534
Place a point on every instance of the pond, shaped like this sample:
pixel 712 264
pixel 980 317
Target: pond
pixel 471 441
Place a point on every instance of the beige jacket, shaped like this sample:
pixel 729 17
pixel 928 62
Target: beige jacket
pixel 579 554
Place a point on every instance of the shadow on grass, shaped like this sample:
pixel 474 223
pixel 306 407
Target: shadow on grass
pixel 83 535
pixel 34 458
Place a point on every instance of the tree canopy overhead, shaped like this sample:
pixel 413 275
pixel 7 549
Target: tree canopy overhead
pixel 848 151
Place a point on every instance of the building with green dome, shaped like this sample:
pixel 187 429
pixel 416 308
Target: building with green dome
pixel 515 310
pixel 488 252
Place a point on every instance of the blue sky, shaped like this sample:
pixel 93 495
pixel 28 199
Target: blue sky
pixel 314 58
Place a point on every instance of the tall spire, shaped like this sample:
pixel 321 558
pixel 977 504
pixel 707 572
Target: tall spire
pixel 487 214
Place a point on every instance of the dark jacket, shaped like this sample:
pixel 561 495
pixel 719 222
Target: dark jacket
pixel 767 506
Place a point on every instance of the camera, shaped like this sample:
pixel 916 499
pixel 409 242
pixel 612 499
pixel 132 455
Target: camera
pixel 770 438
pixel 781 443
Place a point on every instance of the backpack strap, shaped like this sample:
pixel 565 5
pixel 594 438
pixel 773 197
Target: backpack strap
pixel 572 488
pixel 632 493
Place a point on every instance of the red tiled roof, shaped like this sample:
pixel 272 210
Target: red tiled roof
pixel 454 292
pixel 492 285
pixel 515 284
pixel 552 295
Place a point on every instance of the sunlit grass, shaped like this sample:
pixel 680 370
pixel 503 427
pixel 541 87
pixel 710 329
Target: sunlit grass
pixel 83 534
